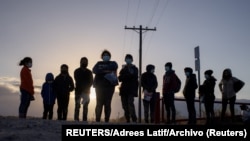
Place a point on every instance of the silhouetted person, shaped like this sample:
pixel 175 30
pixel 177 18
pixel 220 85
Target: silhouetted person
pixel 128 76
pixel 105 72
pixel 83 82
pixel 169 86
pixel 49 96
pixel 189 94
pixel 149 84
pixel 26 86
pixel 63 86
pixel 206 91
pixel 228 92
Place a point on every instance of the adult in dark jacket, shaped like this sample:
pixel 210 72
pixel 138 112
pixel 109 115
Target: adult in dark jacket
pixel 83 82
pixel 63 86
pixel 128 76
pixel 206 91
pixel 189 94
pixel 49 96
pixel 168 91
pixel 149 84
pixel 103 87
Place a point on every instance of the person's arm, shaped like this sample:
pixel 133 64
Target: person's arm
pixel 220 86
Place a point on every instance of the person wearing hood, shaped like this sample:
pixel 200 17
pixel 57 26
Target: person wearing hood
pixel 206 91
pixel 189 94
pixel 228 92
pixel 168 91
pixel 149 84
pixel 49 96
pixel 63 85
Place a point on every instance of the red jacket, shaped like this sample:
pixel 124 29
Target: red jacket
pixel 26 80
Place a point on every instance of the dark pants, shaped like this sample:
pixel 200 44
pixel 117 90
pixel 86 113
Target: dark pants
pixel 209 107
pixel 85 98
pixel 231 106
pixel 191 110
pixel 104 95
pixel 63 102
pixel 128 107
pixel 170 107
pixel 48 111
pixel 24 104
pixel 149 109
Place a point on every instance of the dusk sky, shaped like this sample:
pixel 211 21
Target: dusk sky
pixel 55 32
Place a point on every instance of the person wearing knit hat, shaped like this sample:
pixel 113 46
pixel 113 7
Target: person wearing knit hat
pixel 206 92
pixel 189 94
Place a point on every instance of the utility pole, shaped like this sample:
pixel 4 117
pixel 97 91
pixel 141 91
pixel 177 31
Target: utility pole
pixel 197 68
pixel 140 62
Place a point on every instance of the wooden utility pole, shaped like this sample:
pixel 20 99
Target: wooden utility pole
pixel 197 68
pixel 140 63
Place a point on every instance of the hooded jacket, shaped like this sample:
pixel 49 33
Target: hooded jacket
pixel 47 91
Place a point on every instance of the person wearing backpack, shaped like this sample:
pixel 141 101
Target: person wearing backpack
pixel 170 87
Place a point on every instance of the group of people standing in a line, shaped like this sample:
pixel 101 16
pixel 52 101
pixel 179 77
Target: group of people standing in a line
pixel 107 78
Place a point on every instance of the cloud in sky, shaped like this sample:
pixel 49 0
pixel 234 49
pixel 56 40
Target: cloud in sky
pixel 9 103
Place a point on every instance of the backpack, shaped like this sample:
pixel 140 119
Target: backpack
pixel 178 86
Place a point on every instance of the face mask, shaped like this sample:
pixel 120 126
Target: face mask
pixel 84 65
pixel 106 58
pixel 206 76
pixel 29 65
pixel 152 71
pixel 64 71
pixel 128 61
pixel 187 73
pixel 167 68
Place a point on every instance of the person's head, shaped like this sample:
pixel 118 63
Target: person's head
pixel 26 61
pixel 188 71
pixel 168 66
pixel 150 68
pixel 84 62
pixel 49 77
pixel 64 69
pixel 243 107
pixel 128 59
pixel 208 73
pixel 227 73
pixel 106 55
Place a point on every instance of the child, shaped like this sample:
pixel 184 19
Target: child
pixel 48 96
